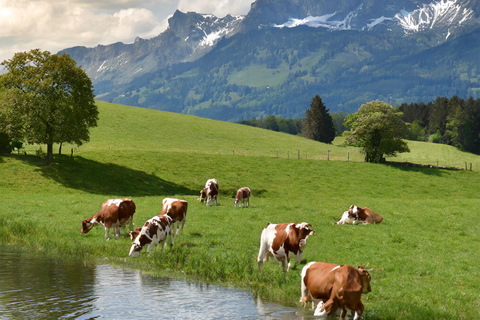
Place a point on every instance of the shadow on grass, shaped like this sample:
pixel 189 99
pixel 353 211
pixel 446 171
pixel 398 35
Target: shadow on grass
pixel 104 178
pixel 425 169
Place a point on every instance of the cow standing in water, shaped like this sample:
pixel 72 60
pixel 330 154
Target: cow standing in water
pixel 334 286
pixel 115 213
pixel 242 197
pixel 283 241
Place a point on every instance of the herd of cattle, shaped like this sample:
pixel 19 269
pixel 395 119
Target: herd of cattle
pixel 331 287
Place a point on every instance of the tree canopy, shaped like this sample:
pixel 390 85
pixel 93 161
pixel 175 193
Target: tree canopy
pixel 318 124
pixel 46 99
pixel 378 129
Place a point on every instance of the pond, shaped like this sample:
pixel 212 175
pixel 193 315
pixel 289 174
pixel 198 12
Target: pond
pixel 35 287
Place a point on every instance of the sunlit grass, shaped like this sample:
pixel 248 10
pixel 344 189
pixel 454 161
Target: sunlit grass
pixel 423 255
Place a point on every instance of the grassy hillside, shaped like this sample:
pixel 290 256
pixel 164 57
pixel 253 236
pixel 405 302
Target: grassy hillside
pixel 424 254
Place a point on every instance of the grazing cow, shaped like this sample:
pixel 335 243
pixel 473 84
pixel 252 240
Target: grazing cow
pixel 348 218
pixel 211 191
pixel 334 286
pixel 116 213
pixel 243 196
pixel 154 231
pixel 177 210
pixel 364 214
pixel 283 241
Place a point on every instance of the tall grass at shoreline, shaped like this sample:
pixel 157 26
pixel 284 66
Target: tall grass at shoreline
pixel 424 254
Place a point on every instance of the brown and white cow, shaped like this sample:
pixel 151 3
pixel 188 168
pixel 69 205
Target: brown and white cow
pixel 115 213
pixel 283 241
pixel 364 214
pixel 177 210
pixel 243 196
pixel 211 191
pixel 334 286
pixel 155 230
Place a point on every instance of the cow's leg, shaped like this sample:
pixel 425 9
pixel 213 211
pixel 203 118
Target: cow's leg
pixel 286 262
pixel 262 255
pixel 107 233
pixel 320 310
pixel 117 229
pixel 358 311
pixel 248 202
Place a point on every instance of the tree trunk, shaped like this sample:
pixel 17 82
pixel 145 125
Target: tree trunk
pixel 49 153
pixel 60 148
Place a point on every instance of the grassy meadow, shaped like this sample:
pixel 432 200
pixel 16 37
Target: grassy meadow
pixel 424 254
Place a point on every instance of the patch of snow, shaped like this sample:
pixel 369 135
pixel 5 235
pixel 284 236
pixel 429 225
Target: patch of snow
pixel 444 12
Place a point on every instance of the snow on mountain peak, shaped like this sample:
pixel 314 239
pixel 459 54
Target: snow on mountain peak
pixel 444 12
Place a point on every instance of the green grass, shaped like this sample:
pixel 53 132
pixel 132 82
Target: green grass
pixel 424 254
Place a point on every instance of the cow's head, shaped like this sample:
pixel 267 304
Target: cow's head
pixel 87 225
pixel 353 212
pixel 365 279
pixel 140 241
pixel 203 194
pixel 304 231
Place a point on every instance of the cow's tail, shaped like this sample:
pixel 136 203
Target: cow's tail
pixel 305 294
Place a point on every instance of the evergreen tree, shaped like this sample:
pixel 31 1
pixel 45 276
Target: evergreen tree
pixel 318 124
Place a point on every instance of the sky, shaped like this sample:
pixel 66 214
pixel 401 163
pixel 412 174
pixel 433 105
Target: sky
pixel 54 25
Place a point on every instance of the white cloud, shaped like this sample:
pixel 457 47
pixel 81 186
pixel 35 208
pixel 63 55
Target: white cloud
pixel 54 25
pixel 220 8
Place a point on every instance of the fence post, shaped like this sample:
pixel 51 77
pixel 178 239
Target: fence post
pixel 465 165
pixel 348 156
pixel 298 153
pixel 328 155
pixel 470 166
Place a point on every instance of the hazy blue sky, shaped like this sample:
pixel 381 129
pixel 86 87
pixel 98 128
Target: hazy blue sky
pixel 58 24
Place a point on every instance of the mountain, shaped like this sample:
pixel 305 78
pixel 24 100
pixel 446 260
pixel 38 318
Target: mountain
pixel 284 52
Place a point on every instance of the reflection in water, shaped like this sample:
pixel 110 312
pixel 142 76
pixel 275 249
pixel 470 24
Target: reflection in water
pixel 35 287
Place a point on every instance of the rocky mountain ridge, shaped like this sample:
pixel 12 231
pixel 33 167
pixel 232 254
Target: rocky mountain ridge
pixel 140 73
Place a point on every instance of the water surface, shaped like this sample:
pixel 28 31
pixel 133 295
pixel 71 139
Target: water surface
pixel 35 287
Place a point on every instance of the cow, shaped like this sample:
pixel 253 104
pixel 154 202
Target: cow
pixel 243 196
pixel 155 230
pixel 211 191
pixel 334 286
pixel 177 210
pixel 364 214
pixel 348 218
pixel 115 213
pixel 283 241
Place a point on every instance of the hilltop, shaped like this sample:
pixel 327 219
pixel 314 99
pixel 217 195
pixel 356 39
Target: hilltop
pixel 423 254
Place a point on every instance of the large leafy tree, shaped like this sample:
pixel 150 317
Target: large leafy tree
pixel 46 99
pixel 378 129
pixel 318 124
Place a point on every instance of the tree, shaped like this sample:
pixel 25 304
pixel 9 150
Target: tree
pixel 378 129
pixel 318 124
pixel 47 99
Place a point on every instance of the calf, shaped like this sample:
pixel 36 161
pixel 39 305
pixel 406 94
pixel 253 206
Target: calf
pixel 115 213
pixel 334 286
pixel 154 231
pixel 243 196
pixel 211 192
pixel 364 214
pixel 177 210
pixel 283 241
